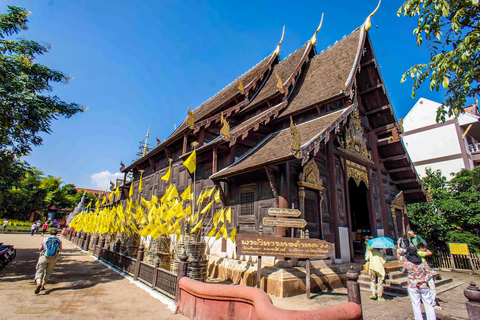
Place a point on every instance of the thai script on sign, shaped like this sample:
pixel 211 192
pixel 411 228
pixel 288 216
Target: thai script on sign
pixel 285 247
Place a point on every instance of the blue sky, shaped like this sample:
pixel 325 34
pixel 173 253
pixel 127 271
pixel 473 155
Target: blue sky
pixel 137 64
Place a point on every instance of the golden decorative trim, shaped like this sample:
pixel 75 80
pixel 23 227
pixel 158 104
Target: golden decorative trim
pixel 354 141
pixel 310 176
pixel 368 24
pixel 190 119
pixel 313 41
pixel 277 50
pixel 279 83
pixel 225 131
pixel 358 172
pixel 398 202
pixel 240 86
pixel 296 145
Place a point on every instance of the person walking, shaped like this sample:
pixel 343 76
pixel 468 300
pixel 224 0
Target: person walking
pixel 375 261
pixel 418 276
pixel 33 228
pixel 415 239
pixel 5 225
pixel 50 249
pixel 44 227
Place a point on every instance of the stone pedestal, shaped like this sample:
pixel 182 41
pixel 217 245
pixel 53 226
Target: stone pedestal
pixel 472 293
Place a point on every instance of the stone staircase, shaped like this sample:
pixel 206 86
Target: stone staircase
pixel 396 281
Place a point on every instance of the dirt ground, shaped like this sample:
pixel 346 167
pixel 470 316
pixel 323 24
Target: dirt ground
pixel 80 288
pixel 83 288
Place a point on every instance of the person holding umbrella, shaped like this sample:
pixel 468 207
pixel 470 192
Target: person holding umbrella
pixel 376 261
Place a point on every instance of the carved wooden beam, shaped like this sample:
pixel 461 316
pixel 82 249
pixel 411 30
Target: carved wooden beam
pixel 152 163
pixel 406 181
pixel 395 158
pixel 378 86
pixel 273 185
pixel 401 169
pixel 379 109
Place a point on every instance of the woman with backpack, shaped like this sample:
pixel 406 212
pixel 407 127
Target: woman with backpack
pixel 50 248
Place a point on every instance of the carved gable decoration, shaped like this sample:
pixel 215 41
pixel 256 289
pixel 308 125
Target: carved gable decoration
pixel 398 202
pixel 310 176
pixel 358 172
pixel 354 141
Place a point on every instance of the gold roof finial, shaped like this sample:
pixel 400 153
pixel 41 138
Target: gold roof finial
pixel 368 23
pixel 277 51
pixel 313 41
pixel 190 119
pixel 145 147
pixel 279 83
pixel 240 86
pixel 296 147
pixel 225 131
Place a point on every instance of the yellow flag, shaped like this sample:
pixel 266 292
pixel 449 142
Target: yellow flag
pixel 233 233
pixel 211 233
pixel 167 193
pixel 117 192
pixel 191 162
pixel 173 193
pixel 104 200
pixel 228 214
pixel 219 234
pixel 89 204
pixel 166 176
pixel 140 183
pixel 186 212
pixel 197 226
pixel 154 199
pixel 208 193
pixel 217 196
pixel 217 215
pixel 207 207
pixel 200 197
pixel 187 194
pixel 224 231
pixel 130 192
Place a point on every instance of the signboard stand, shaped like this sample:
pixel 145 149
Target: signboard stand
pixel 461 249
pixel 307 270
pixel 259 263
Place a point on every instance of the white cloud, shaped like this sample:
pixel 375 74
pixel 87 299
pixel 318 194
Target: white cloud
pixel 101 180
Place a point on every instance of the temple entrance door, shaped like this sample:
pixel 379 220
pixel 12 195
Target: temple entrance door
pixel 312 213
pixel 360 220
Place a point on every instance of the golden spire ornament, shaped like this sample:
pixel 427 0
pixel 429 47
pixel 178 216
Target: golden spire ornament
pixel 296 147
pixel 145 147
pixel 368 23
pixel 190 119
pixel 279 83
pixel 225 131
pixel 277 51
pixel 313 41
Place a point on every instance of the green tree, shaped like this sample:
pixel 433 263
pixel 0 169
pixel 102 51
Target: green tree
pixel 451 31
pixel 453 214
pixel 26 109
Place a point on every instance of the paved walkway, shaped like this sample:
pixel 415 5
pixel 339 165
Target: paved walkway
pixel 80 288
pixel 83 288
pixel 398 308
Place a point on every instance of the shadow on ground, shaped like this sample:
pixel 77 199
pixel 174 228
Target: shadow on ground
pixel 73 271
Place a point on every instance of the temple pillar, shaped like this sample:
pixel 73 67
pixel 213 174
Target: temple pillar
pixel 333 195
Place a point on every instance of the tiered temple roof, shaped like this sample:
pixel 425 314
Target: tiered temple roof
pixel 329 84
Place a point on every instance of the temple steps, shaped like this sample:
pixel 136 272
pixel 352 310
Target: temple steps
pixel 396 283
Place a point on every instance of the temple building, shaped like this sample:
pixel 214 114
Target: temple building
pixel 315 131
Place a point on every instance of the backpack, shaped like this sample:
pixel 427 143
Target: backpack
pixel 52 246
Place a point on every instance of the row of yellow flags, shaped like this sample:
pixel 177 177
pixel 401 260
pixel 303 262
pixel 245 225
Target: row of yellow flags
pixel 158 217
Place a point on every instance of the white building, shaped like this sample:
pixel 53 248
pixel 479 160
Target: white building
pixel 449 146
